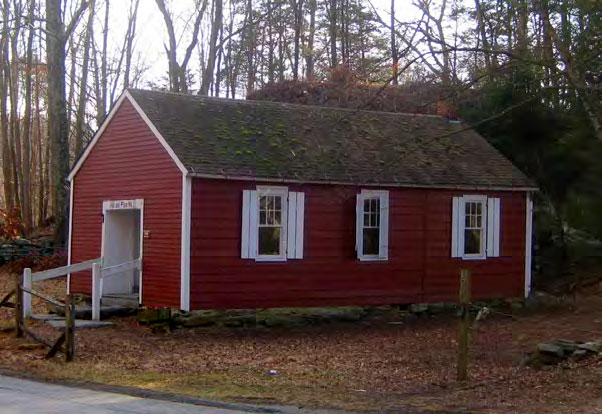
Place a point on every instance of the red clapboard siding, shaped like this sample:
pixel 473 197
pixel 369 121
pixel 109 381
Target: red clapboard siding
pixel 419 267
pixel 128 162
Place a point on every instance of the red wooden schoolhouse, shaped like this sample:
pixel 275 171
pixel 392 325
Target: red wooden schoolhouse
pixel 246 204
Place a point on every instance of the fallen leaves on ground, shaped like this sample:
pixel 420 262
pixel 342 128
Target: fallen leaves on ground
pixel 368 365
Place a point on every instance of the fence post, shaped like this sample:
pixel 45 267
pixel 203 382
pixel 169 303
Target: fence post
pixel 96 291
pixel 19 308
pixel 464 339
pixel 69 328
pixel 27 283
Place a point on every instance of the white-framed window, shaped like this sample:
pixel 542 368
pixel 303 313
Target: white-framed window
pixel 475 227
pixel 272 224
pixel 372 225
pixel 271 232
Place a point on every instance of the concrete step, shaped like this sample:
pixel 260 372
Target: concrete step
pixel 85 311
pixel 79 323
pixel 126 301
pixel 45 317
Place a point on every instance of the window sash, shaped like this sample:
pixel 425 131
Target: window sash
pixel 272 214
pixel 372 214
pixel 474 220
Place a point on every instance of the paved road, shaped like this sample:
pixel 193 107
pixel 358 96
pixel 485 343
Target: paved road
pixel 23 396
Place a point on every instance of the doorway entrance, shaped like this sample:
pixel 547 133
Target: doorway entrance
pixel 122 243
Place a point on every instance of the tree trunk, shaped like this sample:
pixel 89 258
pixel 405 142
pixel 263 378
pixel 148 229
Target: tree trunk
pixel 209 71
pixel 131 34
pixel 83 85
pixel 309 60
pixel 4 137
pixel 27 205
pixel 394 54
pixel 58 129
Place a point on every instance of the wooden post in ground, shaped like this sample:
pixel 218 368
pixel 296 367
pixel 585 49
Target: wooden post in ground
pixel 19 308
pixel 96 291
pixel 69 328
pixel 464 338
pixel 28 284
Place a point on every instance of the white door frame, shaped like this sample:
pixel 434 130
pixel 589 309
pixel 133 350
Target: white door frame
pixel 134 204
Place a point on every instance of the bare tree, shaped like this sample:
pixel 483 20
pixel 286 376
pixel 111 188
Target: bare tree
pixel 57 33
pixel 178 80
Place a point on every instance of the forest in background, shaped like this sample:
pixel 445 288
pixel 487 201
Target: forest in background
pixel 525 73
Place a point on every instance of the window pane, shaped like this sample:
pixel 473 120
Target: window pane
pixel 269 241
pixel 367 205
pixel 377 218
pixel 278 202
pixel 277 218
pixel 262 217
pixel 472 242
pixel 479 208
pixel 371 241
pixel 262 202
pixel 366 219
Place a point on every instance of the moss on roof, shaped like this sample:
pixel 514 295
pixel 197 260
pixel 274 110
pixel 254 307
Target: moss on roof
pixel 225 137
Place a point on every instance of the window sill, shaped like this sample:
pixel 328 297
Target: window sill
pixel 372 259
pixel 270 259
pixel 473 257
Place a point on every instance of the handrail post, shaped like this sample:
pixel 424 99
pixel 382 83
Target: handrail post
pixel 19 308
pixel 27 283
pixel 69 328
pixel 96 291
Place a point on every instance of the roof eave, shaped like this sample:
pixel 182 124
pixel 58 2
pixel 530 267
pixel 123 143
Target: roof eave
pixel 367 184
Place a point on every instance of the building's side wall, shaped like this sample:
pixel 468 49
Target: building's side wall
pixel 128 162
pixel 419 267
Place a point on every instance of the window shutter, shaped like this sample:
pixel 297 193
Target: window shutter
pixel 244 237
pixel 295 218
pixel 456 250
pixel 249 225
pixel 359 223
pixel 291 230
pixel 384 227
pixel 253 217
pixel 300 225
pixel 493 227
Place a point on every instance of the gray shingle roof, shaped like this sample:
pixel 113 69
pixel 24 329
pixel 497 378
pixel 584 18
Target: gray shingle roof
pixel 235 138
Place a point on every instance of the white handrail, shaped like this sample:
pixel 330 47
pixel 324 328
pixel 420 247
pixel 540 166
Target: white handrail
pixel 62 271
pixel 122 267
pixel 98 273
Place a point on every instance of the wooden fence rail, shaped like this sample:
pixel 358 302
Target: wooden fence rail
pixel 24 290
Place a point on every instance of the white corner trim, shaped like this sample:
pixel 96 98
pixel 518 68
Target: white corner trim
pixel 151 126
pixel 528 242
pixel 70 234
pixel 185 252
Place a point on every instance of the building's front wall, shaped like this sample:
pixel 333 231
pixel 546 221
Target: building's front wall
pixel 419 266
pixel 129 162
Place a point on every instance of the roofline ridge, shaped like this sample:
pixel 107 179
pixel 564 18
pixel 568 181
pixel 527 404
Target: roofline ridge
pixel 288 104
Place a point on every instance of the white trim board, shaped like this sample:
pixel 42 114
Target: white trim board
pixel 528 242
pixel 70 236
pixel 151 126
pixel 185 250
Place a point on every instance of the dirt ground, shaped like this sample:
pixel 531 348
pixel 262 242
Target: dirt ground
pixel 391 364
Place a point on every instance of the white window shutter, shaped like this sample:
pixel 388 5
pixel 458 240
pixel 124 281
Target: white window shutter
pixel 384 227
pixel 493 227
pixel 253 217
pixel 456 249
pixel 359 223
pixel 291 230
pixel 300 225
pixel 244 237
